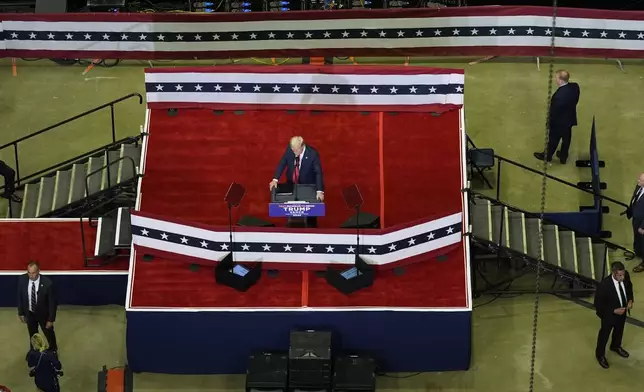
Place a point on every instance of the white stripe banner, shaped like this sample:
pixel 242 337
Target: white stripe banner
pixel 296 248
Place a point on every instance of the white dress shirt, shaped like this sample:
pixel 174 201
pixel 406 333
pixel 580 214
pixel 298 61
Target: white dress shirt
pixel 619 291
pixel 37 285
pixel 301 156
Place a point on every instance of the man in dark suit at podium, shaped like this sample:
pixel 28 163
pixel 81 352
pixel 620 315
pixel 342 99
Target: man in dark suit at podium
pixel 635 211
pixel 563 116
pixel 613 300
pixel 302 164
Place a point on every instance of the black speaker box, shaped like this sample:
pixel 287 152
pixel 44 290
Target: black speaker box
pixel 267 372
pixel 310 360
pixel 224 275
pixel 251 221
pixel 353 373
pixel 363 279
pixel 365 221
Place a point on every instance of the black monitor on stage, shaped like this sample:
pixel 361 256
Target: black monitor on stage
pixel 294 192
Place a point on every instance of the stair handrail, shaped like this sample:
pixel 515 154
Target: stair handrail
pixel 547 221
pixel 63 122
pixel 107 166
pixel 40 173
pixel 87 215
pixel 549 176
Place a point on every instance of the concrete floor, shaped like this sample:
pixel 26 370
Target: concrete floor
pixel 505 104
pixel 92 337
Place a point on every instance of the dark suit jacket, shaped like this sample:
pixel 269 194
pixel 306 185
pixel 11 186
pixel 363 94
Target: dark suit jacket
pixel 310 169
pixel 563 106
pixel 607 299
pixel 46 304
pixel 635 210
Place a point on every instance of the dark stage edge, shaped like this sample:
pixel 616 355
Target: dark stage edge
pixel 90 289
pixel 220 342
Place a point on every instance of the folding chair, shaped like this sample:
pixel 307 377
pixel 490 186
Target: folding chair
pixel 481 159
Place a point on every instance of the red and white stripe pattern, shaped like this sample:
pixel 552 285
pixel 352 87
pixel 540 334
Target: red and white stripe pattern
pixel 332 88
pixel 512 31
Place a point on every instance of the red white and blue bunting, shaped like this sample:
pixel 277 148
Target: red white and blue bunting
pixel 292 248
pixel 511 31
pixel 306 87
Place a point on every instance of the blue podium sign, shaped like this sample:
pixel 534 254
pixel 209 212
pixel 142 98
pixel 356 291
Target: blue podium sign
pixel 296 210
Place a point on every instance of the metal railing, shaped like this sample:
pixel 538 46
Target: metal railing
pixel 499 159
pixel 607 244
pixel 80 158
pixel 19 180
pixel 107 167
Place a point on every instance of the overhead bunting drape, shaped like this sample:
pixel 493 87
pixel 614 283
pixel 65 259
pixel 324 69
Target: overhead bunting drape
pixel 346 88
pixel 490 30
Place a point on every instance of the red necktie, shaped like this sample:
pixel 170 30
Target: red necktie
pixel 296 171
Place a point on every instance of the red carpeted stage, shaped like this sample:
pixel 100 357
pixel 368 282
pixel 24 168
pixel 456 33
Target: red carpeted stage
pixel 396 133
pixel 57 245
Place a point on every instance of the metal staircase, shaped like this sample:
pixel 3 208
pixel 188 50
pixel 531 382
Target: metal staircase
pixel 501 228
pixel 64 192
pixel 70 188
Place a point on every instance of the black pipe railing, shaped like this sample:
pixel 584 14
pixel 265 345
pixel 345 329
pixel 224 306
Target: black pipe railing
pixel 607 244
pixel 16 142
pixel 107 166
pixel 501 159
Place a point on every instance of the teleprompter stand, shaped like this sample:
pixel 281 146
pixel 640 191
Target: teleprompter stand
pixel 227 272
pixel 362 274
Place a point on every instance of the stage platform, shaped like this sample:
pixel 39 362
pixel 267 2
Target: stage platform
pixel 407 158
pixel 56 245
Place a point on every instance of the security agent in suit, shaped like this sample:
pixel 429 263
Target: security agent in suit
pixel 563 116
pixel 635 212
pixel 613 300
pixel 9 176
pixel 37 303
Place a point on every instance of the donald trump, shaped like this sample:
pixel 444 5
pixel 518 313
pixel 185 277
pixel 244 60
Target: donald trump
pixel 302 164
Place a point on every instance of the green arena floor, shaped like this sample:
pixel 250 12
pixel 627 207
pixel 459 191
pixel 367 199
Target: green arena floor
pixel 505 104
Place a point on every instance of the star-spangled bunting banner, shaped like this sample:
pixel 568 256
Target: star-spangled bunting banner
pixel 334 88
pixel 293 248
pixel 501 31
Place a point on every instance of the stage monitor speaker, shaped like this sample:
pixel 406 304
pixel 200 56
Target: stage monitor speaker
pixel 310 360
pixel 51 6
pixel 359 277
pixel 251 221
pixel 267 372
pixel 354 373
pixel 365 220
pixel 237 276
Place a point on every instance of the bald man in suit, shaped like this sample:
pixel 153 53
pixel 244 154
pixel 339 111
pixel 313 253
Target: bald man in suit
pixel 563 116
